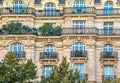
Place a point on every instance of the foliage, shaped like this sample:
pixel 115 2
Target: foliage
pixel 108 80
pixel 48 30
pixel 62 74
pixel 12 71
pixel 16 28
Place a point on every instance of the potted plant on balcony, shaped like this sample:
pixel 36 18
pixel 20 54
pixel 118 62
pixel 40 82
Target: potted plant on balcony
pixel 46 30
pixel 76 53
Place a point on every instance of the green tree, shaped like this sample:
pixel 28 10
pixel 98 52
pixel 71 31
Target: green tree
pixel 12 71
pixel 62 74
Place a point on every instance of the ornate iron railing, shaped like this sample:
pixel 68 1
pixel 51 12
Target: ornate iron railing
pixel 79 31
pixel 112 77
pixel 20 54
pixel 10 10
pixel 49 13
pixel 91 30
pixel 48 55
pixel 67 10
pixel 106 12
pixel 78 53
pixel 107 54
pixel 78 10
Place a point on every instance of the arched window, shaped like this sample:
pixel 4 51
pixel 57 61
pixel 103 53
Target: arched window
pixel 50 9
pixel 108 47
pixel 108 8
pixel 18 48
pixel 18 7
pixel 79 7
pixel 49 48
pixel 80 46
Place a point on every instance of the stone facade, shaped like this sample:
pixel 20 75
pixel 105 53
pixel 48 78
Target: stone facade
pixel 94 43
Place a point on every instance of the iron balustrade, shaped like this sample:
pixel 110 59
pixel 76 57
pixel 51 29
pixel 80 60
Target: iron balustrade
pixel 83 76
pixel 79 10
pixel 10 10
pixel 79 31
pixel 20 54
pixel 48 55
pixel 78 53
pixel 112 77
pixel 106 12
pixel 49 13
pixel 66 10
pixel 109 54
pixel 106 32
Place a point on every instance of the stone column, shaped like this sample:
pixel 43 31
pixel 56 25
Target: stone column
pixel 91 64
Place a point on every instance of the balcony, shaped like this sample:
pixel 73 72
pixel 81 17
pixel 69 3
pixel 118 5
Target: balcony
pixel 83 76
pixel 78 10
pixel 49 13
pixel 111 77
pixel 48 57
pixel 105 12
pixel 106 32
pixel 109 55
pixel 10 10
pixel 19 55
pixel 109 58
pixel 78 56
pixel 90 30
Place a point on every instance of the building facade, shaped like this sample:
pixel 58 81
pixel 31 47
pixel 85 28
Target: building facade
pixel 90 35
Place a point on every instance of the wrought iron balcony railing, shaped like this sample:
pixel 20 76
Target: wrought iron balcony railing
pixel 20 54
pixel 10 10
pixel 48 55
pixel 106 12
pixel 83 76
pixel 111 77
pixel 108 54
pixel 78 53
pixel 49 13
pixel 79 31
pixel 79 10
pixel 91 30
pixel 109 32
pixel 67 10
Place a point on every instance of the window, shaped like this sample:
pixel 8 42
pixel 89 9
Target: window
pixel 50 9
pixel 80 46
pixel 18 7
pixel 49 48
pixel 108 51
pixel 18 48
pixel 46 71
pixel 79 24
pixel 108 47
pixel 108 72
pixel 81 69
pixel 108 8
pixel 79 7
pixel 1 1
pixel 61 1
pixel 37 1
pixel 78 27
pixel 97 1
pixel 108 28
pixel 118 0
